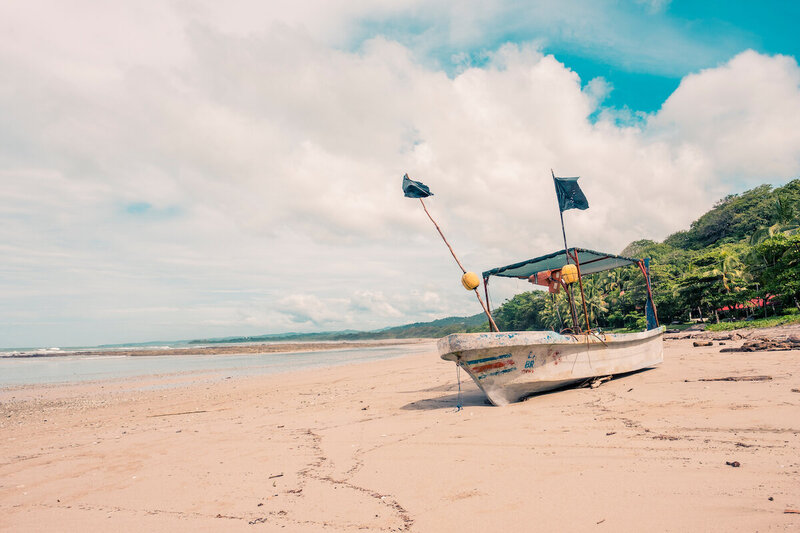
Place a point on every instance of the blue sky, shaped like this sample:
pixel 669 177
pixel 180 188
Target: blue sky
pixel 721 29
pixel 172 170
pixel 643 49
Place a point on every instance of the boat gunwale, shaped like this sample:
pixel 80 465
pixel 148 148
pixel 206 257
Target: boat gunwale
pixel 522 338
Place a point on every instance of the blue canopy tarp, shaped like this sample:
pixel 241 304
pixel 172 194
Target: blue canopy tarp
pixel 590 262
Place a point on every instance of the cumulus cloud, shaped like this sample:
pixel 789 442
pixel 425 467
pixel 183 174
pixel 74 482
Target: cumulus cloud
pixel 269 161
pixel 739 116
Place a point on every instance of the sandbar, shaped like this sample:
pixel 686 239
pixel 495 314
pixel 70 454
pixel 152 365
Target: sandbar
pixel 227 349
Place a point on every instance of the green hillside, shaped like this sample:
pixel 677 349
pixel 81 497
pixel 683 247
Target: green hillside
pixel 433 329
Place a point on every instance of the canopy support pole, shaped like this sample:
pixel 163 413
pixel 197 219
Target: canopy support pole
pixel 492 325
pixel 570 299
pixel 583 297
pixel 651 315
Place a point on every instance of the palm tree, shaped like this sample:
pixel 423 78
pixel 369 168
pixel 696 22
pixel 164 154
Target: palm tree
pixel 787 222
pixel 730 271
pixel 556 313
pixel 595 299
pixel 612 285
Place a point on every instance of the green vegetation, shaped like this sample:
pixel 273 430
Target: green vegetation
pixel 744 251
pixel 770 322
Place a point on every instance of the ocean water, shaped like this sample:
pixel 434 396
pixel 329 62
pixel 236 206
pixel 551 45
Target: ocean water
pixel 15 371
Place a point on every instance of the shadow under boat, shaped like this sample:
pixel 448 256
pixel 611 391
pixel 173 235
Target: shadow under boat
pixel 476 398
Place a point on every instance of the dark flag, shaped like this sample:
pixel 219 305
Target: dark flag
pixel 415 189
pixel 570 195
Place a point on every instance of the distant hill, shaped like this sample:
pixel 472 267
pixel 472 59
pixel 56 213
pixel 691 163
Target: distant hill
pixel 433 329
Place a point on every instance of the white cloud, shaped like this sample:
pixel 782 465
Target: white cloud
pixel 308 308
pixel 741 115
pixel 266 165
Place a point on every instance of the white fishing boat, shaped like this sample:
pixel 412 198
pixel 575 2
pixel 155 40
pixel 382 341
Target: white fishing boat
pixel 509 366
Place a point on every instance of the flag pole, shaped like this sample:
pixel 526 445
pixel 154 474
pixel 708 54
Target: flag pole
pixel 568 288
pixel 561 214
pixel 492 325
pixel 463 270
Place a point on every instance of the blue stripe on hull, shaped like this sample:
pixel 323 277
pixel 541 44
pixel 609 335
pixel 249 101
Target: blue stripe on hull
pixel 487 359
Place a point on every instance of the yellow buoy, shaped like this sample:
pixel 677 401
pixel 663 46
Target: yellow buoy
pixel 470 280
pixel 569 274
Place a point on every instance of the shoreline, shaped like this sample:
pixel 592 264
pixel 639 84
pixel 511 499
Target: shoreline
pixel 222 349
pixel 32 374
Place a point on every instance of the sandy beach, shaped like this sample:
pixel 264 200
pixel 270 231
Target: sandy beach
pixel 379 446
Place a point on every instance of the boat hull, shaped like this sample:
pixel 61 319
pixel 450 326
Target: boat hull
pixel 509 366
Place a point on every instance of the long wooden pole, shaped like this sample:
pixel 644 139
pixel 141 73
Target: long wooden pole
pixel 583 297
pixel 566 252
pixel 572 312
pixel 492 325
pixel 561 214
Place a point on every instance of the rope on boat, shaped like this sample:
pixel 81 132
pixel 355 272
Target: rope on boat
pixel 596 335
pixel 589 357
pixel 459 405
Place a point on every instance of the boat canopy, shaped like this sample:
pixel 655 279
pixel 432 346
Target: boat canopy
pixel 590 262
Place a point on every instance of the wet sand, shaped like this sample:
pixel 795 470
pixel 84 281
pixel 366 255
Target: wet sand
pixel 379 447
